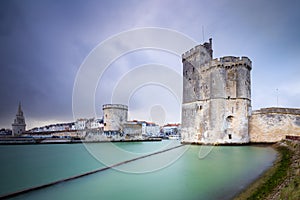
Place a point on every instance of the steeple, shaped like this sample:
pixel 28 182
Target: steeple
pixel 18 126
pixel 20 112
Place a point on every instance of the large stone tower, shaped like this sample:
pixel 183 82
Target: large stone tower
pixel 18 126
pixel 115 115
pixel 216 97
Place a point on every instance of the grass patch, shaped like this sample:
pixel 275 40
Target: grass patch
pixel 278 176
pixel 272 178
pixel 292 190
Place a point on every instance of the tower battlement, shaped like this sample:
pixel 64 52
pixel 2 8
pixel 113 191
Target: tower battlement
pixel 115 106
pixel 192 52
pixel 231 61
pixel 197 49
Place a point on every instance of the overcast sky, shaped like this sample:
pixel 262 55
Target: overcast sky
pixel 44 43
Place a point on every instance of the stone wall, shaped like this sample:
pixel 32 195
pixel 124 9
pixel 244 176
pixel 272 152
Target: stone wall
pixel 273 124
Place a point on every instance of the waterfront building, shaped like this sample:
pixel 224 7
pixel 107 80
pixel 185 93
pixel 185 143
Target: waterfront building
pixel 54 127
pixel 96 124
pixel 80 124
pixel 18 126
pixel 171 129
pixel 148 128
pixel 92 123
pixel 151 129
pixel 132 129
pixel 4 131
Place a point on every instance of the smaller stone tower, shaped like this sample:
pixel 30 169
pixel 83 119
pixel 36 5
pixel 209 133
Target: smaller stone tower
pixel 18 126
pixel 115 115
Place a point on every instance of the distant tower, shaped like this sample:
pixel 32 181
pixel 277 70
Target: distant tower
pixel 18 126
pixel 115 115
pixel 216 97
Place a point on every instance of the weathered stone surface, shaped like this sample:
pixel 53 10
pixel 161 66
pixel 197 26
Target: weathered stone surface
pixel 132 129
pixel 273 124
pixel 216 97
pixel 114 115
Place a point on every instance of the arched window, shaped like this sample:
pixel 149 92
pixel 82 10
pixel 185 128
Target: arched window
pixel 229 118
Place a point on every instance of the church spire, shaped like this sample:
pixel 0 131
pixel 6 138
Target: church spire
pixel 18 126
pixel 20 112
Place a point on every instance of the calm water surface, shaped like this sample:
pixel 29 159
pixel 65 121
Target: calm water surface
pixel 176 174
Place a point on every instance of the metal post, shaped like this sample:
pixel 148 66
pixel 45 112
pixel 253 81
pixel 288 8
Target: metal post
pixel 277 94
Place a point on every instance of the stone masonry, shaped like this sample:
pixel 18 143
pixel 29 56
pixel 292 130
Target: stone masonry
pixel 274 124
pixel 216 97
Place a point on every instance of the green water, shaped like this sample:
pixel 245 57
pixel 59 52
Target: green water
pixel 177 174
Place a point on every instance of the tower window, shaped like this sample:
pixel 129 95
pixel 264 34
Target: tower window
pixel 229 136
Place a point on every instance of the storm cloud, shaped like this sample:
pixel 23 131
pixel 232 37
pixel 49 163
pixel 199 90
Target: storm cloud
pixel 44 43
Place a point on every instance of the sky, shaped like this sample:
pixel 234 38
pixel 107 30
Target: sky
pixel 44 43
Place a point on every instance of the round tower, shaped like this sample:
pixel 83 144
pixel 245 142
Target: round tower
pixel 114 115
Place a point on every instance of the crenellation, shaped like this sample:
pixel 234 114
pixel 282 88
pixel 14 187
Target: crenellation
pixel 198 55
pixel 117 106
pixel 231 61
pixel 192 52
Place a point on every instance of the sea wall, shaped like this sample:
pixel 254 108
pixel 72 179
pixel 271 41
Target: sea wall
pixel 274 124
